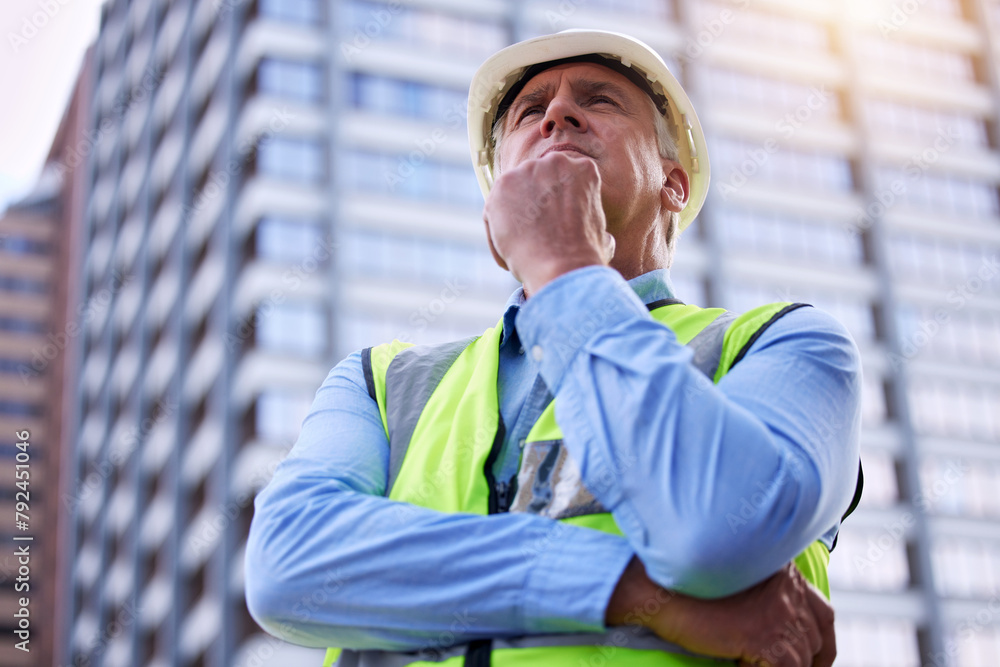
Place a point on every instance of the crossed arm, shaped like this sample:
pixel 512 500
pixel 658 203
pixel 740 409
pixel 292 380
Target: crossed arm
pixel 330 562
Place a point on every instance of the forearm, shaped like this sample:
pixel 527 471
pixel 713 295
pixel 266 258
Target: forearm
pixel 716 487
pixel 351 570
pixel 331 562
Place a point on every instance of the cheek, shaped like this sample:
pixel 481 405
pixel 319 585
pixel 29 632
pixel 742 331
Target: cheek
pixel 510 153
pixel 647 170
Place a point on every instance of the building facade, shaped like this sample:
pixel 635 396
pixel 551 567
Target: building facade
pixel 274 184
pixel 36 332
pixel 29 420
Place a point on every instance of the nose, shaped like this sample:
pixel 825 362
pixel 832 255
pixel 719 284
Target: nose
pixel 563 113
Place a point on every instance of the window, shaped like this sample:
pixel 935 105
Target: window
pixel 23 285
pixel 279 414
pixel 725 88
pixel 17 325
pixel 293 11
pixel 292 159
pixel 364 253
pixel 293 79
pixel 949 334
pixel 396 97
pixel 410 176
pixel 739 161
pixel 896 58
pixel 950 408
pixel 945 7
pixel 292 328
pixel 361 330
pixel 884 8
pixel 942 263
pixel 870 560
pixel 19 409
pixel 976 643
pixel 966 568
pixel 945 194
pixel 874 411
pixel 761 29
pixel 16 366
pixel 291 241
pixel 881 484
pixel 924 126
pixel 788 238
pixel 426 30
pixel 876 642
pixel 23 246
pixel 960 487
pixel 647 9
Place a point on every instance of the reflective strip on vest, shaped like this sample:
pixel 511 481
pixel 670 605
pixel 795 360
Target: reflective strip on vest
pixel 412 377
pixel 707 345
pixel 623 638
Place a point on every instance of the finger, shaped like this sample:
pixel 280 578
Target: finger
pixel 782 653
pixel 489 239
pixel 793 652
pixel 823 613
pixel 813 635
pixel 807 630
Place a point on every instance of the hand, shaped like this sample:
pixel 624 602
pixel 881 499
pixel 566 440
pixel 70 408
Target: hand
pixel 544 218
pixel 781 622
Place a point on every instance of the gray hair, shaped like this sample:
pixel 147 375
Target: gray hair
pixel 667 146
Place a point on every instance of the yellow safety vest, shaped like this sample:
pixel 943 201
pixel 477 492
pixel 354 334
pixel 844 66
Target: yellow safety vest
pixel 441 414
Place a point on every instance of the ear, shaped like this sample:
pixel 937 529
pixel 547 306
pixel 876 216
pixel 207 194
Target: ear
pixel 676 186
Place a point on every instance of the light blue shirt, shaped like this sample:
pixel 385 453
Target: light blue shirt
pixel 714 486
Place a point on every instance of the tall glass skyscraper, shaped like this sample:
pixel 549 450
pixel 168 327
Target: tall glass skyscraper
pixel 274 184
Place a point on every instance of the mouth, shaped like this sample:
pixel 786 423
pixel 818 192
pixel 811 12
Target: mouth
pixel 566 148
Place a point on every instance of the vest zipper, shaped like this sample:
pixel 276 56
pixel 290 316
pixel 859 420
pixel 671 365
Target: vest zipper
pixel 480 651
pixel 494 503
pixel 505 495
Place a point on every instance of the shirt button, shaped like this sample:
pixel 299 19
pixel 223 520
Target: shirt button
pixel 520 443
pixel 536 352
pixel 520 350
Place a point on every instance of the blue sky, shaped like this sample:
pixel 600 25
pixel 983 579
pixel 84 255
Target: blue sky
pixel 42 43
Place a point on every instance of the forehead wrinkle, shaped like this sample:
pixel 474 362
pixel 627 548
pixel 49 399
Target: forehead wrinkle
pixel 580 83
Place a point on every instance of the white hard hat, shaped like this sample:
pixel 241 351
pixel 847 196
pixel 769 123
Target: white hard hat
pixel 506 70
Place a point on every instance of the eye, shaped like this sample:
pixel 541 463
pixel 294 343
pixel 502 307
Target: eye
pixel 602 99
pixel 531 111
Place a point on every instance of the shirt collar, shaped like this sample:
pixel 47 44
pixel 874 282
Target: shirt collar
pixel 652 286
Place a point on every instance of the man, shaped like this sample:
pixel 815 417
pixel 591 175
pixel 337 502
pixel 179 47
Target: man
pixel 606 456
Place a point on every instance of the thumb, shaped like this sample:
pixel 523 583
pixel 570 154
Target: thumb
pixel 609 247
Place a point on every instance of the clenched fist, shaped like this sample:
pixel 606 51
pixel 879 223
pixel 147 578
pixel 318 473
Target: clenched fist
pixel 781 622
pixel 544 218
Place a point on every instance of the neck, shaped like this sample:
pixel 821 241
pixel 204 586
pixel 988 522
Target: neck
pixel 639 253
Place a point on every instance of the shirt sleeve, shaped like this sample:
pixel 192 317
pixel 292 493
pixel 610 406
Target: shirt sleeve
pixel 331 562
pixel 715 486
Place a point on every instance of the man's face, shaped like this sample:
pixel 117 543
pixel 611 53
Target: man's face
pixel 597 112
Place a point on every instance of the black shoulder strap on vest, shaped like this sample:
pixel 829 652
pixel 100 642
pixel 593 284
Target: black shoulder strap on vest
pixel 663 302
pixel 764 327
pixel 858 489
pixel 366 367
